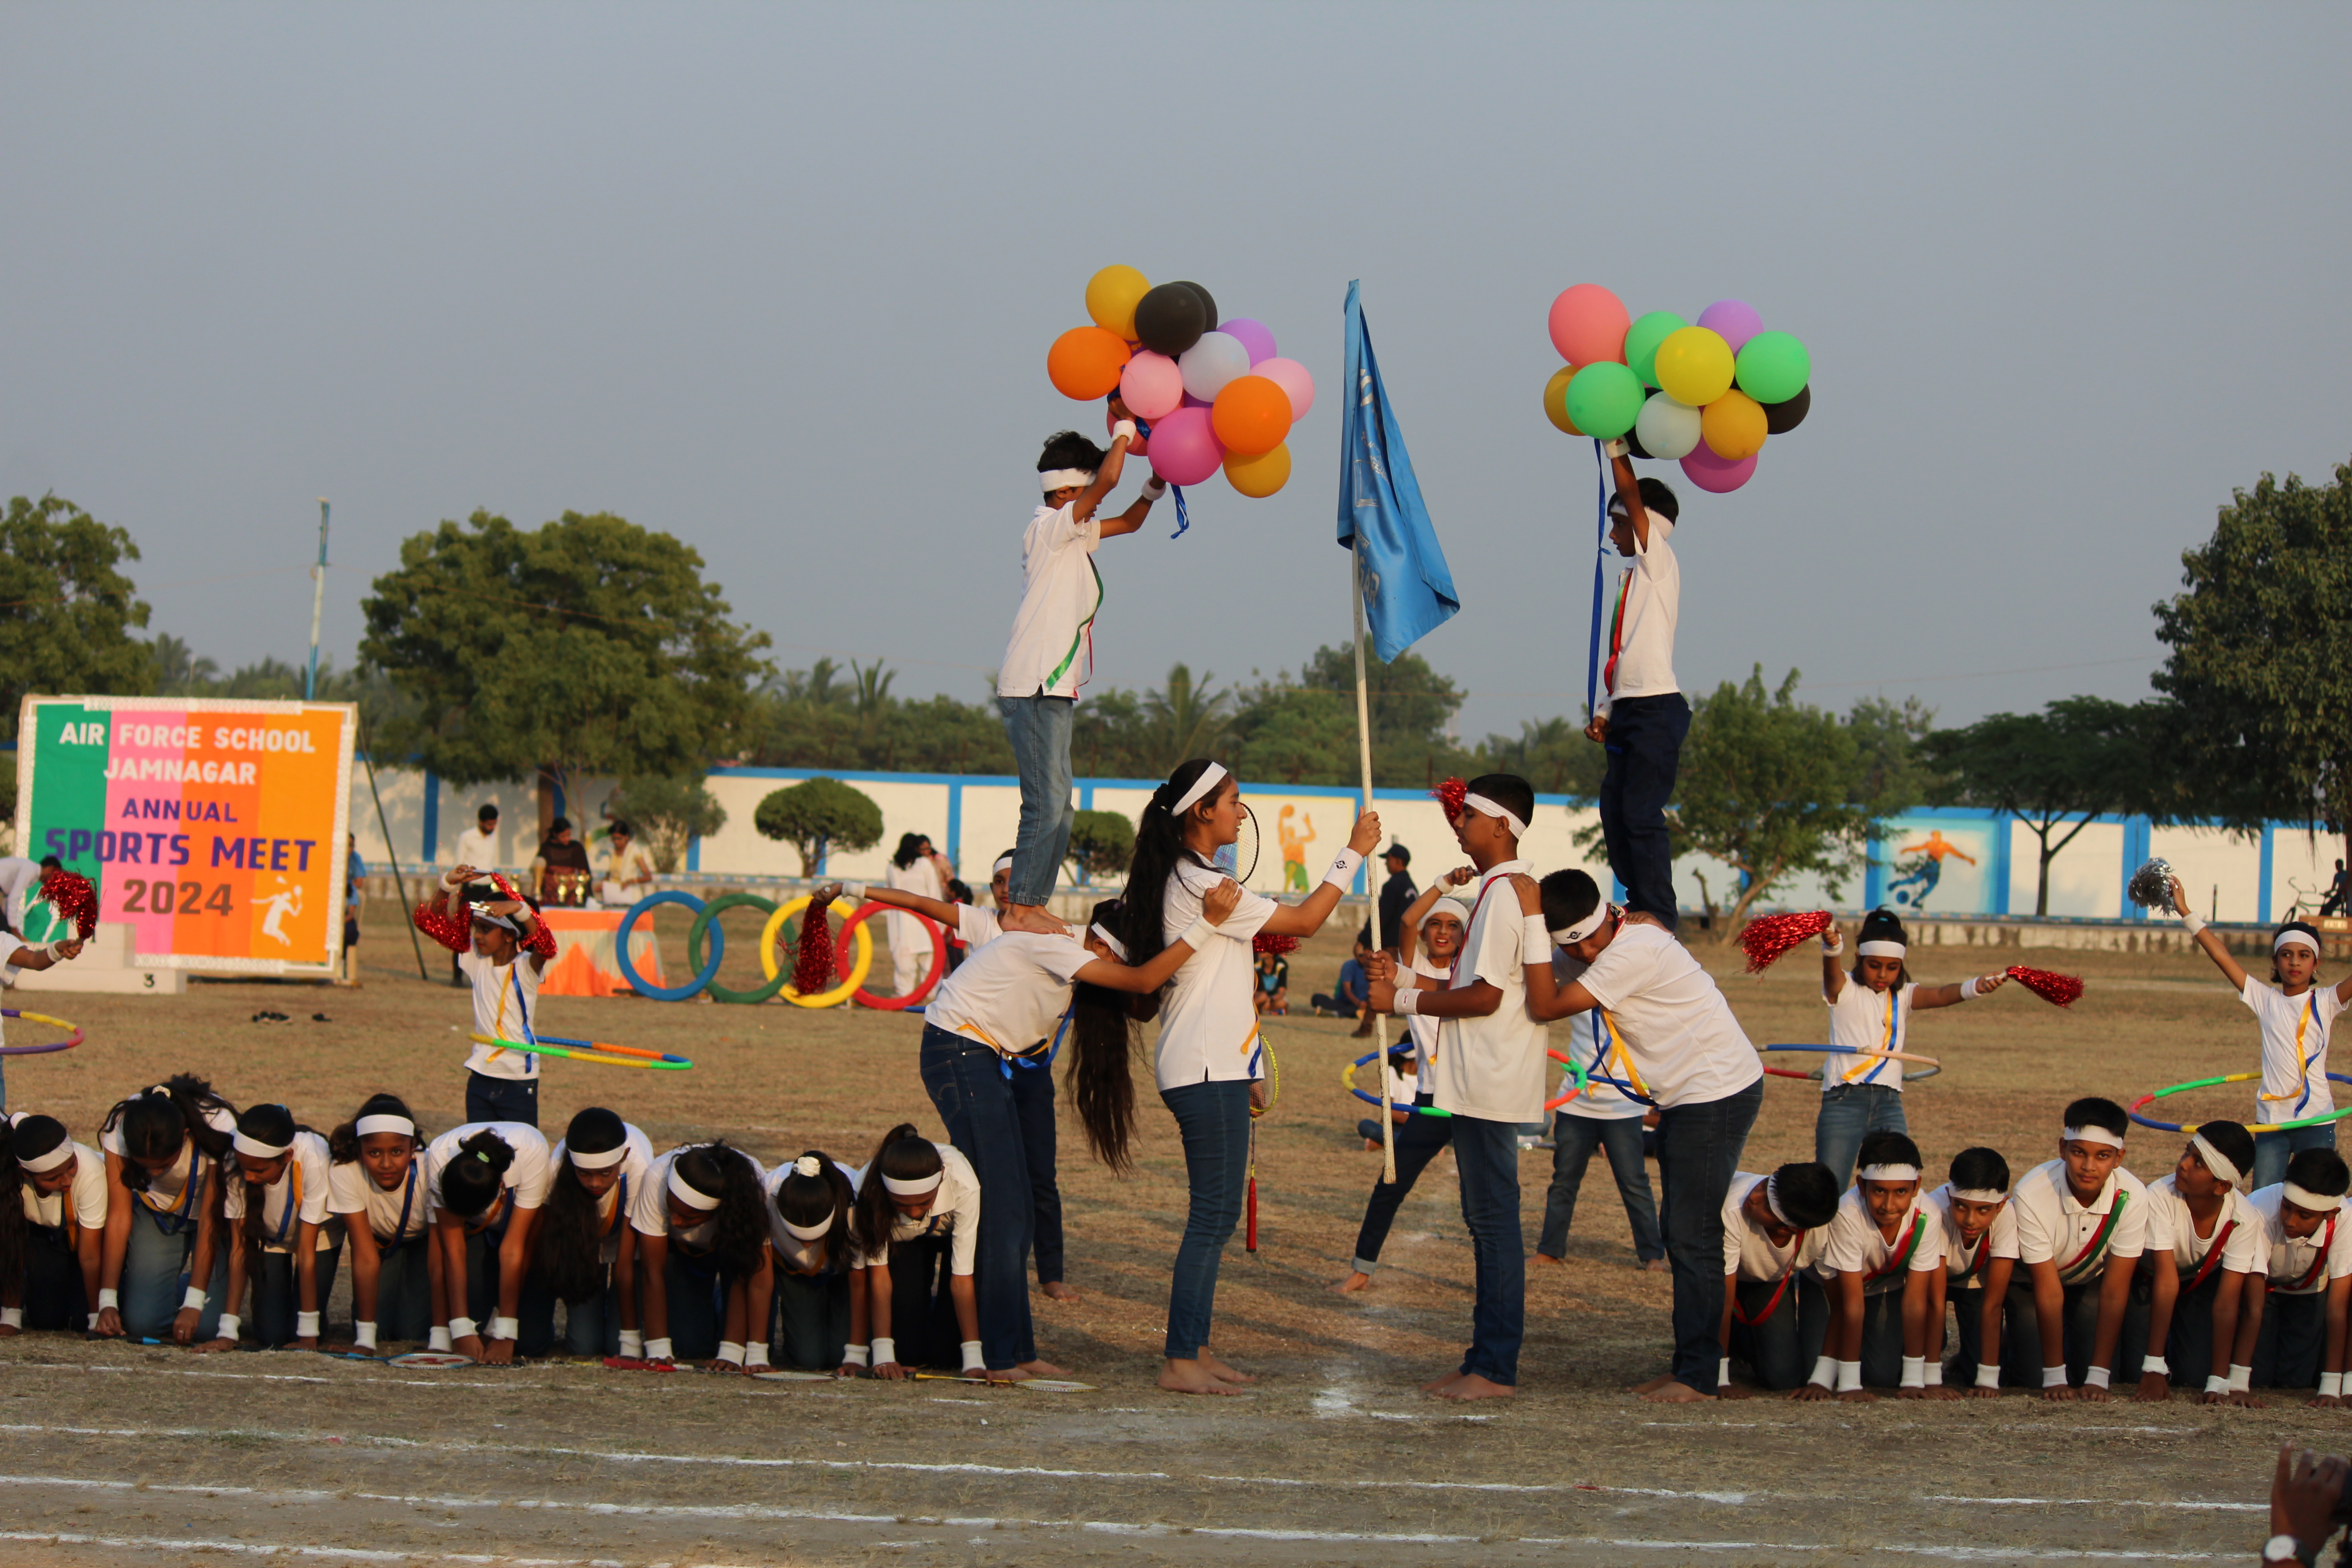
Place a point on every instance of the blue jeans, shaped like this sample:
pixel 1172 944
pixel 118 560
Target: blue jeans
pixel 1850 1112
pixel 968 1088
pixel 1419 1139
pixel 1214 1120
pixel 1487 1162
pixel 2272 1150
pixel 491 1098
pixel 1033 1102
pixel 1698 1154
pixel 1573 1138
pixel 276 1290
pixel 695 1288
pixel 1646 748
pixel 155 1272
pixel 1039 729
pixel 403 1289
pixel 811 1320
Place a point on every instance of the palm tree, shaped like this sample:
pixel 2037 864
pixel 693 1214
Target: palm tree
pixel 1185 718
pixel 178 672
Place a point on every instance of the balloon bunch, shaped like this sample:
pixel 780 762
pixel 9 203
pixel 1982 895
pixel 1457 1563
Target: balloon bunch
pixel 1212 393
pixel 1707 393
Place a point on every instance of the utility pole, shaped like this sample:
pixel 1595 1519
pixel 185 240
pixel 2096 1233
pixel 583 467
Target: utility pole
pixel 317 603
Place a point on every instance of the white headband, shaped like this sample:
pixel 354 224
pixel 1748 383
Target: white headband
pixel 1881 950
pixel 1004 865
pixel 372 1124
pixel 602 1159
pixel 1452 907
pixel 1054 480
pixel 1569 936
pixel 1772 1201
pixel 1211 776
pixel 808 1166
pixel 257 1149
pixel 2296 939
pixel 36 1163
pixel 1980 1196
pixel 2215 1160
pixel 1479 803
pixel 915 1188
pixel 2091 1135
pixel 1887 1173
pixel 1118 948
pixel 2304 1198
pixel 687 1195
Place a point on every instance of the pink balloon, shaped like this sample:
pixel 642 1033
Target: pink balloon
pixel 1588 324
pixel 1292 377
pixel 1138 447
pixel 1252 334
pixel 1184 450
pixel 1733 320
pixel 1151 385
pixel 1711 473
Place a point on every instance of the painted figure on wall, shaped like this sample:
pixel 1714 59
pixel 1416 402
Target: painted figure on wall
pixel 1294 848
pixel 1915 878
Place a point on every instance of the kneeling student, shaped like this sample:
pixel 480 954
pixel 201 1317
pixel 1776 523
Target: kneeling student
pixel 916 1231
pixel 701 1221
pixel 2291 1332
pixel 586 1246
pixel 63 1185
pixel 1979 1254
pixel 376 1186
pixel 2081 1224
pixel 2197 1221
pixel 818 1316
pixel 1877 1264
pixel 1774 1314
pixel 282 1239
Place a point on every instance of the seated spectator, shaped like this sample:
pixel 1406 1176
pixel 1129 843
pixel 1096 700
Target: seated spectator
pixel 1273 983
pixel 1350 1001
pixel 560 870
pixel 628 870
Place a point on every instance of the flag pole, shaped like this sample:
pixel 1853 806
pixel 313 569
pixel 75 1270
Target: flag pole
pixel 1364 752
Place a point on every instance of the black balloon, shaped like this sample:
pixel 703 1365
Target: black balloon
pixel 1171 317
pixel 1780 418
pixel 1207 303
pixel 1632 436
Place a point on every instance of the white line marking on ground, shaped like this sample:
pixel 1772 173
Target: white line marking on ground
pixel 272 1376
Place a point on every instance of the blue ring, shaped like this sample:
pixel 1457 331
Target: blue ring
pixel 666 993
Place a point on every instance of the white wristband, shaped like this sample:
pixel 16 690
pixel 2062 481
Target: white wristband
pixel 1123 428
pixel 633 1344
pixel 2331 1386
pixel 1408 1002
pixel 1915 1372
pixel 108 1298
pixel 306 1325
pixel 1154 487
pixel 439 1339
pixel 853 1355
pixel 2241 1379
pixel 463 1328
pixel 12 1317
pixel 2216 1383
pixel 194 1302
pixel 2157 1364
pixel 2094 1377
pixel 362 1336
pixel 1987 1375
pixel 755 1356
pixel 1343 870
pixel 89 1324
pixel 1968 989
pixel 505 1329
pixel 1833 941
pixel 659 1349
pixel 886 1350
pixel 231 1325
pixel 1535 939
pixel 1824 1372
pixel 2054 1377
pixel 1196 935
pixel 1723 1373
pixel 854 891
pixel 1617 449
pixel 2192 921
pixel 1935 1373
pixel 1849 1376
pixel 55 950
pixel 730 1353
pixel 973 1359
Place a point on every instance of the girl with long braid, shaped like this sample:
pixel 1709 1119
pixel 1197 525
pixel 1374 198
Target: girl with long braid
pixel 706 1274
pixel 165 1149
pixel 817 1314
pixel 586 1246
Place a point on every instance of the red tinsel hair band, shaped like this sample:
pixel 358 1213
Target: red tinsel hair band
pixel 1450 797
pixel 1768 937
pixel 2059 990
pixel 454 933
pixel 1274 942
pixel 812 965
pixel 70 894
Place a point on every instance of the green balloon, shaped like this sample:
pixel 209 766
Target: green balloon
pixel 1774 367
pixel 1604 399
pixel 1642 341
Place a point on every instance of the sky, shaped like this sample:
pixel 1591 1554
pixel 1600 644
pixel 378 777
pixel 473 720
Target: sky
pixel 780 280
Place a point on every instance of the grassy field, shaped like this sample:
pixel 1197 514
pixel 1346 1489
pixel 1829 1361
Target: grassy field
pixel 123 1454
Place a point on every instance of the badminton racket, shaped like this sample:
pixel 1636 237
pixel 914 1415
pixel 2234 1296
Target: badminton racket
pixel 1239 858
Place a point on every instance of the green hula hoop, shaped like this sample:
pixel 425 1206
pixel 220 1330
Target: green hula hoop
pixel 2137 1106
pixel 694 948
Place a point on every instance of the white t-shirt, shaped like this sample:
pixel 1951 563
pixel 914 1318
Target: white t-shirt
pixel 1493 1068
pixel 1747 1253
pixel 649 1208
pixel 619 1201
pixel 1208 1025
pixel 1672 1020
pixel 1964 1262
pixel 1590 1044
pixel 87 1191
pixel 922 876
pixel 392 1216
pixel 955 1213
pixel 1856 1245
pixel 2172 1227
pixel 797 1255
pixel 2299 1266
pixel 2295 1049
pixel 1011 993
pixel 478 849
pixel 506 1003
pixel 1422 1031
pixel 1050 652
pixel 297 1198
pixel 1653 589
pixel 18 878
pixel 1868 1020
pixel 169 1190
pixel 2052 1227
pixel 526 1178
pixel 975 925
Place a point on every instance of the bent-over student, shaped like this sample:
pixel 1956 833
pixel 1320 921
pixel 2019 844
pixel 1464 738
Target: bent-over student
pixel 1979 1256
pixel 2200 1224
pixel 1775 1316
pixel 2081 1225
pixel 704 1270
pixel 586 1244
pixel 65 1228
pixel 1878 1268
pixel 283 1240
pixel 916 1231
pixel 485 1182
pixel 376 1185
pixel 165 1149
pixel 817 1314
pixel 2291 1330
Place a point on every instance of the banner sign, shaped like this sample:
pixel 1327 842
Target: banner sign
pixel 216 829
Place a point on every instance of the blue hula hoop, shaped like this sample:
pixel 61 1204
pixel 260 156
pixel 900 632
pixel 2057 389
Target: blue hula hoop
pixel 1846 1051
pixel 1036 1064
pixel 666 993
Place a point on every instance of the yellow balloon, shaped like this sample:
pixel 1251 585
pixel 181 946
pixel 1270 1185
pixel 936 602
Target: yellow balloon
pixel 1112 296
pixel 1556 400
pixel 1733 426
pixel 1260 476
pixel 1694 366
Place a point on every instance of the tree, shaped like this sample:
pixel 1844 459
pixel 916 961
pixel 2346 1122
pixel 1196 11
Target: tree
pixel 670 811
pixel 2079 758
pixel 1101 843
pixel 818 815
pixel 1291 734
pixel 1554 756
pixel 1895 774
pixel 66 608
pixel 588 646
pixel 1412 709
pixel 1184 720
pixel 2262 660
pixel 178 671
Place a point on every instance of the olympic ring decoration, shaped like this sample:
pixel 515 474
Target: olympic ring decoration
pixel 1576 1073
pixel 839 993
pixel 2133 1110
pixel 73 1030
pixel 594 1051
pixel 629 971
pixel 702 922
pixel 1933 1067
pixel 913 998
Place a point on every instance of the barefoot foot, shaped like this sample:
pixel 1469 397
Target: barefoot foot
pixel 1220 1371
pixel 1441 1384
pixel 1675 1394
pixel 1470 1385
pixel 1040 1369
pixel 1057 1291
pixel 1354 1282
pixel 1651 1387
pixel 1190 1377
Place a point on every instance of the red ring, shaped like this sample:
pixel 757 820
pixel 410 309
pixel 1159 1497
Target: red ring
pixel 938 959
pixel 1790 1072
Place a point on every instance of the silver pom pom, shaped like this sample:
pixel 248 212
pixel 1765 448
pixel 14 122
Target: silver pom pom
pixel 2151 886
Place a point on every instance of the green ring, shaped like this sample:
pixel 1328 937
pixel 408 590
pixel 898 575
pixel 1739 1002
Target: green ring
pixel 694 948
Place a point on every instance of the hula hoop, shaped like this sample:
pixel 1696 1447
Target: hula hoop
pixel 66 1045
pixel 1576 1073
pixel 702 922
pixel 618 1056
pixel 840 993
pixel 2133 1110
pixel 914 998
pixel 1930 1070
pixel 629 971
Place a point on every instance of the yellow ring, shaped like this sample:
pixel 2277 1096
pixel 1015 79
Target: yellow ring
pixel 858 967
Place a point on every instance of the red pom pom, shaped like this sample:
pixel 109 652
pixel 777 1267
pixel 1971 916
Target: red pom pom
pixel 72 897
pixel 1268 942
pixel 812 965
pixel 1450 795
pixel 1768 936
pixel 2059 990
pixel 454 933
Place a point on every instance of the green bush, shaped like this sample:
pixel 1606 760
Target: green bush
pixel 1101 843
pixel 668 811
pixel 819 814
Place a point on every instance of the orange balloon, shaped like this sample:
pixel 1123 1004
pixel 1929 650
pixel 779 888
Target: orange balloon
pixel 1556 400
pixel 1085 362
pixel 1733 426
pixel 1251 416
pixel 1260 476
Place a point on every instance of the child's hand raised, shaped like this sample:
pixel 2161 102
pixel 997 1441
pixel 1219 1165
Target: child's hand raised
pixel 1223 899
pixel 1460 877
pixel 1367 834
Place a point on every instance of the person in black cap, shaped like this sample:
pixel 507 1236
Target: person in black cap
pixel 1397 894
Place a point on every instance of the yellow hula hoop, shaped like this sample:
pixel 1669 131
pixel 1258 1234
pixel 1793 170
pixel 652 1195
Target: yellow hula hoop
pixel 857 968
pixel 657 1060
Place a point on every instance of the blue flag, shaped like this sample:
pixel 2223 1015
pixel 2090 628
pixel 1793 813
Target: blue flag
pixel 1407 592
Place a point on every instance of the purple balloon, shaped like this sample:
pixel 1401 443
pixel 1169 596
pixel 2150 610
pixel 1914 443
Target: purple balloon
pixel 1712 474
pixel 1733 320
pixel 1256 339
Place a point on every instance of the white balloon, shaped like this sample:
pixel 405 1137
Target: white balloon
pixel 1216 359
pixel 1666 429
